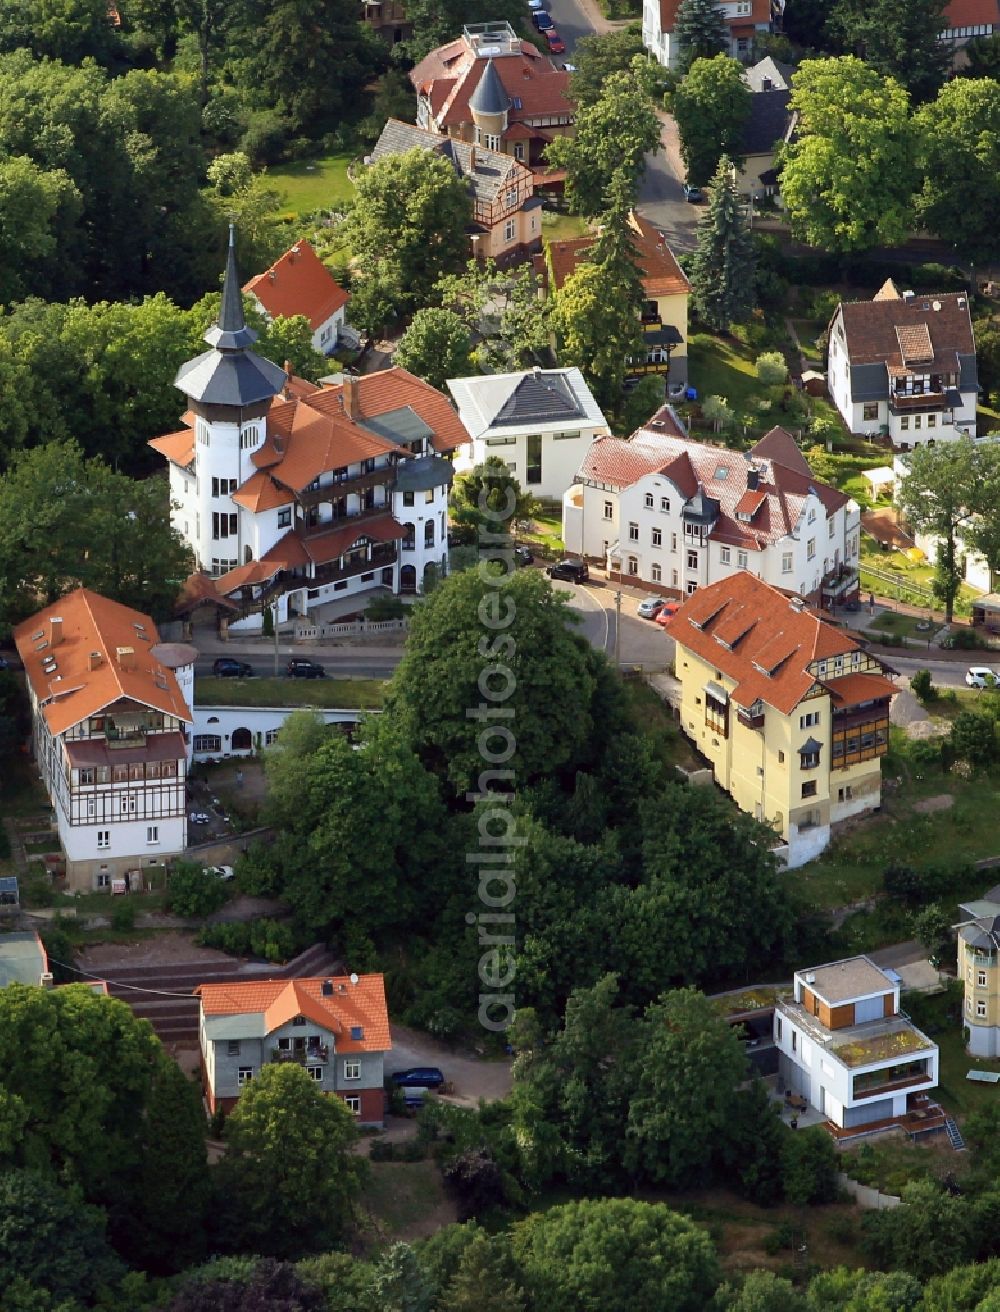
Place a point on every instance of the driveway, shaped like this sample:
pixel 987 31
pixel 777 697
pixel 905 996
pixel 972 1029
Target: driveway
pixel 471 1076
pixel 661 194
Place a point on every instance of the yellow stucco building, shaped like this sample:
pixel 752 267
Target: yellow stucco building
pixel 979 971
pixel 790 712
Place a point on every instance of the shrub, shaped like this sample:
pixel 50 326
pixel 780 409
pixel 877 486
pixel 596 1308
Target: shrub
pixel 270 939
pixel 771 368
pixel 123 917
pixel 193 892
pixel 964 639
pixel 809 1166
pixel 266 138
pixel 386 608
pixel 974 738
pixel 922 685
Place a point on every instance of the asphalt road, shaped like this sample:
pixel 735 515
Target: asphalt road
pixel 339 662
pixel 661 198
pixel 571 23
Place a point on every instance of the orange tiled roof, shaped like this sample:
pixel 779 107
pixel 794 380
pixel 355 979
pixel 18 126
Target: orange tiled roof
pixel 281 1000
pixel 260 492
pixel 254 571
pixel 299 283
pixel 759 637
pixel 177 447
pixel 93 630
pixel 661 274
pixel 850 689
pixel 449 75
pixel 971 13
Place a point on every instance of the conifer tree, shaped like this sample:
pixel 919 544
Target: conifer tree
pixel 700 31
pixel 722 267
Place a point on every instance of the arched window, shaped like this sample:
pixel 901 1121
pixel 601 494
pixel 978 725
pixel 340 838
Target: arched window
pixel 409 537
pixel 249 437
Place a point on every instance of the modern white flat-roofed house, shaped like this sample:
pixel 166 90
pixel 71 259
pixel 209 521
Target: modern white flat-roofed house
pixel 336 1029
pixel 109 724
pixel 539 422
pixel 845 1047
pixel 299 283
pixel 292 495
pixel 903 367
pixel 676 515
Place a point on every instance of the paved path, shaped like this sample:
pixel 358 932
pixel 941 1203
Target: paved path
pixel 472 1076
pixel 661 193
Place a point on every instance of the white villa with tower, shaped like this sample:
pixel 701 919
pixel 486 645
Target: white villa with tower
pixel 292 495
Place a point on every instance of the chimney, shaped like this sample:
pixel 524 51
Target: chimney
pixel 96 660
pixel 327 988
pixel 55 630
pixel 537 371
pixel 472 159
pixel 272 274
pixel 289 371
pixel 45 979
pixel 907 296
pixel 349 396
pixel 753 479
pixel 126 658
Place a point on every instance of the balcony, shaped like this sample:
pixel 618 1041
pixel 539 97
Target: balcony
pixel 382 555
pixel 343 486
pixel 316 1055
pixel 892 1079
pixel 751 717
pixel 358 521
pixel 840 582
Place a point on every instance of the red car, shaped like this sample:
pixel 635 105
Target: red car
pixel 668 612
pixel 556 44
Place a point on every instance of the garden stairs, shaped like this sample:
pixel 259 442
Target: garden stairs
pixel 164 994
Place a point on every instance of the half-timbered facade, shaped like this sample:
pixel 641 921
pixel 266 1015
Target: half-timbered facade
pixel 109 724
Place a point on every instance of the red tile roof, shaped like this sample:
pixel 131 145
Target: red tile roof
pixel 850 689
pixel 661 274
pixel 94 631
pixel 972 13
pixel 299 283
pixel 760 638
pixel 775 505
pixel 449 75
pixel 321 548
pixel 871 328
pixel 260 492
pixel 349 1005
pixel 759 16
pixel 177 447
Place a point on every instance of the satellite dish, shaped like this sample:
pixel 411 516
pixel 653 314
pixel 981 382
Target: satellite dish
pixel 354 978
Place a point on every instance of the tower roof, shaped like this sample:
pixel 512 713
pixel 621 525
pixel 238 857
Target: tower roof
pixel 489 96
pixel 230 374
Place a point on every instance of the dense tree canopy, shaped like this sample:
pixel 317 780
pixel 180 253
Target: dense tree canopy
pixel 700 31
pixel 848 178
pixel 711 107
pixel 288 1180
pixel 66 521
pixel 897 38
pixel 597 56
pixel 407 228
pixel 613 135
pixel 958 143
pixel 436 346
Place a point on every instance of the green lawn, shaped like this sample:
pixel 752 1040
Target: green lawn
pixel 406 1200
pixel 349 694
pixel 562 227
pixel 912 580
pixel 720 367
pixel 851 868
pixel 546 530
pixel 896 625
pixel 940 1017
pixel 313 184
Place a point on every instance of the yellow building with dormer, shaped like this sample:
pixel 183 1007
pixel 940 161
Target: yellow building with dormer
pixel 791 713
pixel 979 971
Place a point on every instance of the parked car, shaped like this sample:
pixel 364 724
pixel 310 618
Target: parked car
pixel 572 571
pixel 667 612
pixel 980 676
pixel 542 20
pixel 299 668
pixel 221 872
pixel 693 195
pixel 199 818
pixel 651 607
pixel 555 42
pixel 522 556
pixel 569 68
pixel 226 667
pixel 418 1077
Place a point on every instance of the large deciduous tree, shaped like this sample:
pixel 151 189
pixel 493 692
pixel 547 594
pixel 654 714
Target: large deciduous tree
pixel 897 38
pixel 471 625
pixel 436 346
pixel 614 133
pixel 66 521
pixel 407 228
pixel 951 492
pixel 958 144
pixel 722 267
pixel 848 178
pixel 288 1181
pixel 700 31
pixel 597 56
pixel 615 1255
pixel 711 107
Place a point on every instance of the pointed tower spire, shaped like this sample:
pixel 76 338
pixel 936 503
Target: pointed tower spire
pixel 231 333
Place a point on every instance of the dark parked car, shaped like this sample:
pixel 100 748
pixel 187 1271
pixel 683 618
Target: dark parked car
pixel 692 194
pixel 542 20
pixel 299 668
pixel 522 556
pixel 418 1077
pixel 572 571
pixel 228 668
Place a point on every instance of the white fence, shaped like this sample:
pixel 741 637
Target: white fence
pixel 870 1199
pixel 309 632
